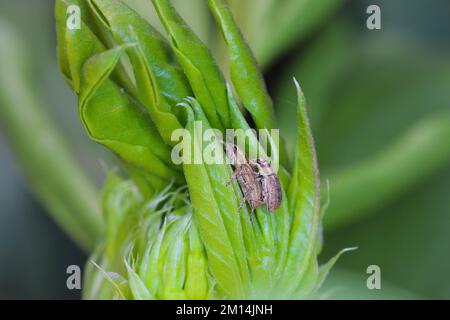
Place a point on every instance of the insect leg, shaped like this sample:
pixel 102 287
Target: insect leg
pixel 245 198
pixel 233 176
pixel 242 204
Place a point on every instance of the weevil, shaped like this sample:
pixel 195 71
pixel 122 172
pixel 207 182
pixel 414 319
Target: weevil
pixel 246 177
pixel 270 183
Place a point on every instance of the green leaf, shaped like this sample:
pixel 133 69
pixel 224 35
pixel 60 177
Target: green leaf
pixel 196 14
pixel 175 266
pixel 137 286
pixel 196 285
pixel 118 284
pixel 111 118
pixel 203 74
pixel 126 26
pixel 161 83
pixel 227 196
pixel 325 269
pixel 149 268
pixel 275 246
pixel 120 201
pixel 304 200
pixel 61 21
pixel 208 217
pixel 308 282
pixel 252 16
pixel 245 74
pixel 61 15
pixel 77 45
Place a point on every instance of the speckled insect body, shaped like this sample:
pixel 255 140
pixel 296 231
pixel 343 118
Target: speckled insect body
pixel 246 177
pixel 270 183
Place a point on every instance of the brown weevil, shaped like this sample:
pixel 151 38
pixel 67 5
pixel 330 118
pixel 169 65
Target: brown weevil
pixel 270 183
pixel 246 177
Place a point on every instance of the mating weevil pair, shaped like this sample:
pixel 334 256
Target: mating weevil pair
pixel 257 179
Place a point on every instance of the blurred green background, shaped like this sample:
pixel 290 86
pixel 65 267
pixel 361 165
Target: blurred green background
pixel 380 107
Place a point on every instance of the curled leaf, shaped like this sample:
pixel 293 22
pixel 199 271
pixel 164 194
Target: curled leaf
pixel 304 201
pixel 128 27
pixel 203 73
pixel 208 217
pixel 245 74
pixel 112 119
